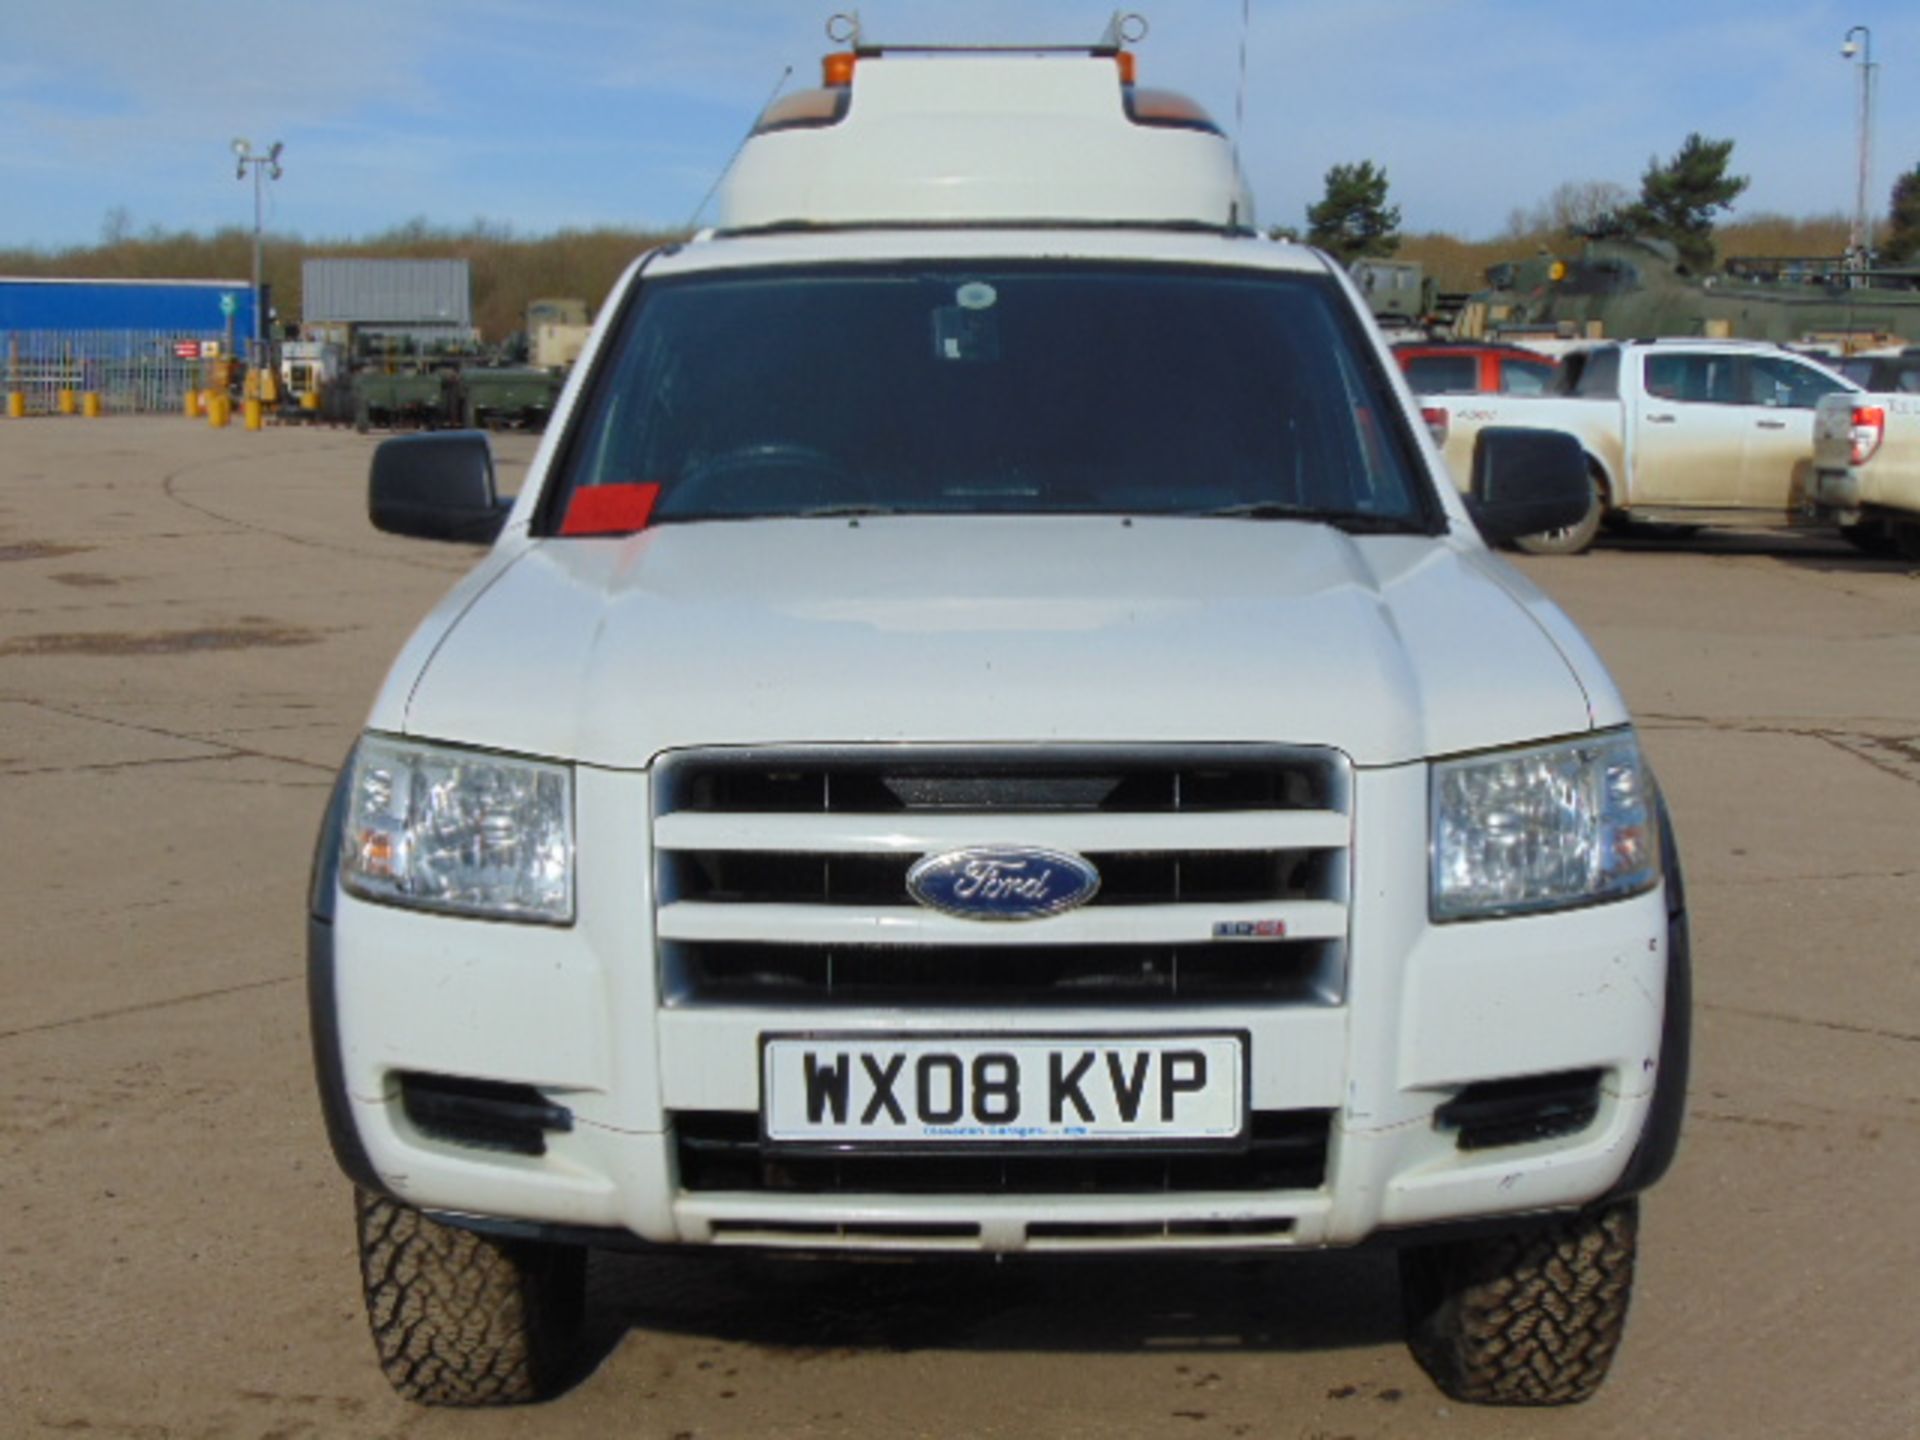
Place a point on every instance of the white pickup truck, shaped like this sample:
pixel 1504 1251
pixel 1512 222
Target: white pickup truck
pixel 1687 432
pixel 1866 459
pixel 986 730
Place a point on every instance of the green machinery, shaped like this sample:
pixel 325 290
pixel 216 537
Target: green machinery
pixel 491 396
pixel 1635 287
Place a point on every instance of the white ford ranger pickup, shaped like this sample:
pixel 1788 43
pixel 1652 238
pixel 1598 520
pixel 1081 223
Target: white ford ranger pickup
pixel 987 729
pixel 1682 431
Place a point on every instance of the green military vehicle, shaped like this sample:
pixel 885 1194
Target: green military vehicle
pixel 1634 287
pixel 390 399
pixel 1404 299
pixel 497 395
pixel 1399 293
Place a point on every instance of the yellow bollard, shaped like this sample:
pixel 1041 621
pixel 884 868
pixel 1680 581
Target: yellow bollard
pixel 69 402
pixel 252 411
pixel 310 400
pixel 219 409
pixel 90 405
pixel 190 404
pixel 16 405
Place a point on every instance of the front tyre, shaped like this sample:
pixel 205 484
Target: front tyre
pixel 1575 538
pixel 1872 537
pixel 460 1318
pixel 1529 1318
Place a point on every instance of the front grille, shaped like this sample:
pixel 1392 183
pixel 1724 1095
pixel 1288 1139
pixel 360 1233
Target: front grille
pixel 1003 975
pixel 782 876
pixel 722 1151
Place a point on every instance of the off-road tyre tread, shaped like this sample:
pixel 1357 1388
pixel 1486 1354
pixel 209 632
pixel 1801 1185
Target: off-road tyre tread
pixel 1530 1318
pixel 465 1319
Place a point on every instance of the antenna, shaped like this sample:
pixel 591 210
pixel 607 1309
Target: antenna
pixel 1240 94
pixel 778 86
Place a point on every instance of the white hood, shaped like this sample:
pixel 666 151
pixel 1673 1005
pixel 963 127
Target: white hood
pixel 999 629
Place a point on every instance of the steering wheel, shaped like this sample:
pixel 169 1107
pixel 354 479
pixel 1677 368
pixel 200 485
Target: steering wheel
pixel 779 475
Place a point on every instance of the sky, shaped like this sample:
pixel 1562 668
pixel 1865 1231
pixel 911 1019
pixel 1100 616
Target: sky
pixel 550 114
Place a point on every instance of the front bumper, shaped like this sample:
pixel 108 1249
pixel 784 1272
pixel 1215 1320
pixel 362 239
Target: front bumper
pixel 577 1016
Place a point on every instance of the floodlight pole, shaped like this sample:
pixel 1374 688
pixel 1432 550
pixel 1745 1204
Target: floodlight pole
pixel 1860 243
pixel 268 163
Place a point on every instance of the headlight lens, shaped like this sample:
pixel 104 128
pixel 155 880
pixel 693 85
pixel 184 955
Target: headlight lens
pixel 459 830
pixel 1543 828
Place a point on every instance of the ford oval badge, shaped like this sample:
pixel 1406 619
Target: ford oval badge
pixel 1002 882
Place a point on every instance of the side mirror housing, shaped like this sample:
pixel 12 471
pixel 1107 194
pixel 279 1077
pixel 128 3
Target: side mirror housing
pixel 1526 481
pixel 436 487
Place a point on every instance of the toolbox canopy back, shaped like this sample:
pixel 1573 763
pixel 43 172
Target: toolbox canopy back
pixel 938 139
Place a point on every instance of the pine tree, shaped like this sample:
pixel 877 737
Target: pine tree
pixel 1678 199
pixel 1902 243
pixel 1353 219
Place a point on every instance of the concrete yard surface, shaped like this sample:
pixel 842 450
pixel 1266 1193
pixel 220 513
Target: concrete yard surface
pixel 192 624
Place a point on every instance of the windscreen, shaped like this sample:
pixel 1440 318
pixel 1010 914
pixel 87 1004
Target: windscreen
pixel 1442 374
pixel 996 390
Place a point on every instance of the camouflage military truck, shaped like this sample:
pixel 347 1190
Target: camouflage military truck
pixel 1633 287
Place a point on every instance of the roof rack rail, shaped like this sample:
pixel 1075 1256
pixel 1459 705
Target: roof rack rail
pixel 1124 28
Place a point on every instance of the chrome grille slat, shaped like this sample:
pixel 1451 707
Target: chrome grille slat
pixel 771 904
pixel 828 833
pixel 913 925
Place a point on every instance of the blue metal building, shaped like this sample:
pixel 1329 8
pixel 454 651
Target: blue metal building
pixel 183 307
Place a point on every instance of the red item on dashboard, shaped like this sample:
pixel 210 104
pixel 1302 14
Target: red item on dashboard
pixel 610 509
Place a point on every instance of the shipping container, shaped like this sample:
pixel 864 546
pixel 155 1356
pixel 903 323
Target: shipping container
pixel 386 293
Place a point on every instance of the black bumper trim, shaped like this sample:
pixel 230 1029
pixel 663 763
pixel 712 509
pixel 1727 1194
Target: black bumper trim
pixel 1660 1137
pixel 323 1008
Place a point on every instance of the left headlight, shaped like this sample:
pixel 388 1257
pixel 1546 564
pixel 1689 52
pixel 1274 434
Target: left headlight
pixel 464 831
pixel 1543 828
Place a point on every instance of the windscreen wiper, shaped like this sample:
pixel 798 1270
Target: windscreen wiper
pixel 837 512
pixel 1357 522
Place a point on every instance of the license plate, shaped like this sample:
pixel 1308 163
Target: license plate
pixel 840 1090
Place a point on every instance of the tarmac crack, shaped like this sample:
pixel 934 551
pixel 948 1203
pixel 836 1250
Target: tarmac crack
pixel 1836 878
pixel 232 750
pixel 122 1011
pixel 111 765
pixel 1890 755
pixel 169 481
pixel 1841 1026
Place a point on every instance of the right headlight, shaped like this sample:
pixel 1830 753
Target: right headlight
pixel 1543 828
pixel 466 831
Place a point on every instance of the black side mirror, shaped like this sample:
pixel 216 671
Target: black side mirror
pixel 1526 481
pixel 436 487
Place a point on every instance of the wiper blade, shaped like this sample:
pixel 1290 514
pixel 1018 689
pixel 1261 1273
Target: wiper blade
pixel 1353 521
pixel 835 512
